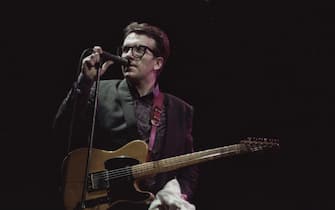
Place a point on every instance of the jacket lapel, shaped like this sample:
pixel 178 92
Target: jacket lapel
pixel 127 104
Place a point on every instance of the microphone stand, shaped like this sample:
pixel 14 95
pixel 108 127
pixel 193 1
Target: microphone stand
pixel 90 140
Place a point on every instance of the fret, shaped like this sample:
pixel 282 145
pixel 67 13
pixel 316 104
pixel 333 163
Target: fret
pixel 173 163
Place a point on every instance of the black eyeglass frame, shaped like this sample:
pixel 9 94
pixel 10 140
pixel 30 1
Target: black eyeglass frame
pixel 144 48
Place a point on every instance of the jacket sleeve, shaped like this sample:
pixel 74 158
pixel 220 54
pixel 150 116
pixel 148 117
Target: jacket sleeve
pixel 188 177
pixel 71 121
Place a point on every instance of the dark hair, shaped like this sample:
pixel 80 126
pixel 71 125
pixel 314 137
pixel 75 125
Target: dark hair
pixel 160 37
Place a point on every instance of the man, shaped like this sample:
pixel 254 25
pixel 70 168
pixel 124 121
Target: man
pixel 125 109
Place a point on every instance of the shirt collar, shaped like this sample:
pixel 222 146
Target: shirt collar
pixel 133 91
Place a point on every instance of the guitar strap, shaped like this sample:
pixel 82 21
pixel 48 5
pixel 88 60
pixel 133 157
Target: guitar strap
pixel 155 116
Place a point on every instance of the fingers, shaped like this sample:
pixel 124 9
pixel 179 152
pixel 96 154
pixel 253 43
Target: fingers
pixel 97 49
pixel 90 64
pixel 91 60
pixel 106 65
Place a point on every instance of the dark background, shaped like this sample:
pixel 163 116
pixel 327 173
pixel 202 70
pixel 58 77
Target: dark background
pixel 248 69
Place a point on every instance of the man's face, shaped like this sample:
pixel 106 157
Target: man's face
pixel 138 48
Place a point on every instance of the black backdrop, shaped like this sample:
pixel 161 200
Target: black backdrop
pixel 248 69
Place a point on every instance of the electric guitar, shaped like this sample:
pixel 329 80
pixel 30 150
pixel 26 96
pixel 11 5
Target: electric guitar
pixel 111 177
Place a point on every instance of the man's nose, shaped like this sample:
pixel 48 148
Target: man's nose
pixel 128 53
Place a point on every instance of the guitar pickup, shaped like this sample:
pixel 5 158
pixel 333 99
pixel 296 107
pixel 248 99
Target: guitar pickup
pixel 98 181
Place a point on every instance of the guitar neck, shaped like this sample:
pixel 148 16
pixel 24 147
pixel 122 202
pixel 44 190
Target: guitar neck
pixel 173 163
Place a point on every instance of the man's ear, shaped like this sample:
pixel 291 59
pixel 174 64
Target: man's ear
pixel 159 63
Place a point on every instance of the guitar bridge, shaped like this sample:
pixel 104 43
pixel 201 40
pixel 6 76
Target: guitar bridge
pixel 93 202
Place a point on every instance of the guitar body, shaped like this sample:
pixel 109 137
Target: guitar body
pixel 102 194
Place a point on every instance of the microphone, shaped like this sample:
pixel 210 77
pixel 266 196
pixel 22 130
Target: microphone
pixel 105 56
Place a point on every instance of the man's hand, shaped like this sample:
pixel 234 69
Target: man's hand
pixel 92 62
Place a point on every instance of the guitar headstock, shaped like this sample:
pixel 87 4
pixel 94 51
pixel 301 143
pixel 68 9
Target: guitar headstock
pixel 256 143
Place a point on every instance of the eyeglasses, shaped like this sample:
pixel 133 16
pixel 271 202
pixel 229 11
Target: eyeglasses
pixel 137 51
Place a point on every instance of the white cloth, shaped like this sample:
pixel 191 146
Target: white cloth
pixel 170 198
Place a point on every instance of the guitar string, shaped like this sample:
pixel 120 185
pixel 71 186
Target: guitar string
pixel 109 175
pixel 118 173
pixel 126 171
pixel 122 172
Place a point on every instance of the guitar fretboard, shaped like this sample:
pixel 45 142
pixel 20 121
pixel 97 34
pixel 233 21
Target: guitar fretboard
pixel 173 163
